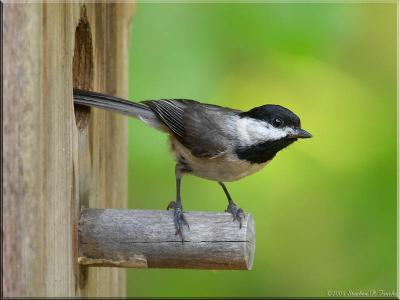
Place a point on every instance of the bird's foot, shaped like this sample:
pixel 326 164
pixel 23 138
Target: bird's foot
pixel 172 205
pixel 179 219
pixel 237 213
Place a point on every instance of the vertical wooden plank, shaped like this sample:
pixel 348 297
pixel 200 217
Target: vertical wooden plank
pixel 108 78
pixel 57 150
pixel 50 167
pixel 22 193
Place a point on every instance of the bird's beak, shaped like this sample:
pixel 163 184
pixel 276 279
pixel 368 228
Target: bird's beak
pixel 299 134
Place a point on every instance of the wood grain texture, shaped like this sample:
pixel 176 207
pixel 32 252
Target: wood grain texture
pixel 146 239
pixel 50 167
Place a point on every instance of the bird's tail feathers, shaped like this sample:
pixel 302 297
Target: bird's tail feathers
pixel 111 103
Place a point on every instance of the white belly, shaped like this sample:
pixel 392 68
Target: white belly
pixel 226 167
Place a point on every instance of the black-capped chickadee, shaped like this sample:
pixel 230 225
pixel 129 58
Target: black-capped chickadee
pixel 209 141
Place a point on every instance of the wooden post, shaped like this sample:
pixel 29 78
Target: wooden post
pixel 56 161
pixel 147 239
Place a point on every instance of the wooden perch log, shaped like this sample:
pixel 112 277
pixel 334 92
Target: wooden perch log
pixel 146 239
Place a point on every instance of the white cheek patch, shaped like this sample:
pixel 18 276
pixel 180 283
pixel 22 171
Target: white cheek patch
pixel 252 131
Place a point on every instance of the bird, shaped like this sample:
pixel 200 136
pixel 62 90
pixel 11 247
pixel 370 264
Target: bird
pixel 212 142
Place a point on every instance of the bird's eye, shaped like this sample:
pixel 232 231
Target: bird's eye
pixel 277 122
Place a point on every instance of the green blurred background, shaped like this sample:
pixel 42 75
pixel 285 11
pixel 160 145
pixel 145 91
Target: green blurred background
pixel 325 208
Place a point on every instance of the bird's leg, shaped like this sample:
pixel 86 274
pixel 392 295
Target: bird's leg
pixel 237 213
pixel 179 218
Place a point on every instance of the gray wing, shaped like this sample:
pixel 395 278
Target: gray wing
pixel 205 129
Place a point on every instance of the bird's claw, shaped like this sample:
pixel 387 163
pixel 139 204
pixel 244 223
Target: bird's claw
pixel 237 213
pixel 179 219
pixel 172 205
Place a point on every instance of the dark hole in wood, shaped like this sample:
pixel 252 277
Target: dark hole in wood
pixel 82 66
